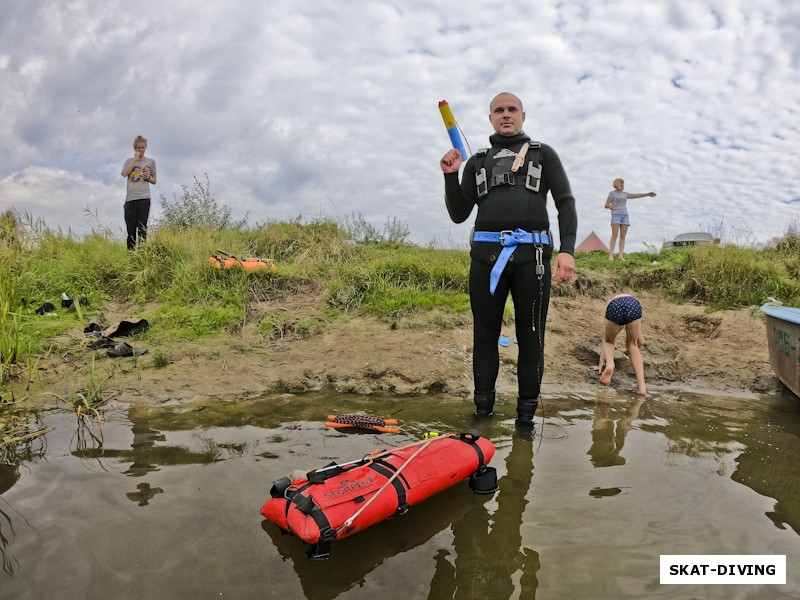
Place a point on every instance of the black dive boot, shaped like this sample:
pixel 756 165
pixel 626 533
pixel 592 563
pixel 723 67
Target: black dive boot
pixel 526 408
pixel 484 404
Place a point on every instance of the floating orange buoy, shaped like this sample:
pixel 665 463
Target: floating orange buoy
pixel 336 501
pixel 223 260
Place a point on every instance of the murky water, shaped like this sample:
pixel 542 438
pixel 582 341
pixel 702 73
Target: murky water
pixel 168 505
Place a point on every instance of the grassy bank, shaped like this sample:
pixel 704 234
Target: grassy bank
pixel 170 281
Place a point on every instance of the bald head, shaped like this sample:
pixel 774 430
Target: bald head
pixel 502 95
pixel 506 114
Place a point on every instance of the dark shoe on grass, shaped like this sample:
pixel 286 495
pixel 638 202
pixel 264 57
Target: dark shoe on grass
pixel 124 349
pixel 45 308
pixel 101 342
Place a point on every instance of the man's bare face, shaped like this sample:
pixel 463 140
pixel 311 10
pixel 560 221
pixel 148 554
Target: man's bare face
pixel 506 114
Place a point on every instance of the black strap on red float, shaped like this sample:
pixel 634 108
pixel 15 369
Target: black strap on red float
pixel 471 437
pixel 387 470
pixel 325 473
pixel 307 506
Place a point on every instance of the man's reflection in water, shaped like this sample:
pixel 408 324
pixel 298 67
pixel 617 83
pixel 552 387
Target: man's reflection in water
pixel 490 560
pixel 144 494
pixel 611 425
pixel 144 440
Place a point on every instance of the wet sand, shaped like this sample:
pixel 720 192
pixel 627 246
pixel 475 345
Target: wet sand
pixel 687 349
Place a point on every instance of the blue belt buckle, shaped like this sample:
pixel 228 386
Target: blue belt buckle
pixel 503 234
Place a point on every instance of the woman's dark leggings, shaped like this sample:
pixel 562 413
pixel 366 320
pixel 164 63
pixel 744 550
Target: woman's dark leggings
pixel 136 214
pixel 531 297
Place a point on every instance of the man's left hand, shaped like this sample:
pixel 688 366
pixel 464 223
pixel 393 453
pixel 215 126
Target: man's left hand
pixel 564 267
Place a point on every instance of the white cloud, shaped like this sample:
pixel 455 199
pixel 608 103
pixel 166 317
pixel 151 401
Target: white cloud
pixel 64 200
pixel 329 108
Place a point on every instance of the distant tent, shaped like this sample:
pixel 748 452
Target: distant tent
pixel 592 242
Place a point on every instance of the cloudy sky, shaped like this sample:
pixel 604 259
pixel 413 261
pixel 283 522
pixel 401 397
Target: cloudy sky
pixel 328 108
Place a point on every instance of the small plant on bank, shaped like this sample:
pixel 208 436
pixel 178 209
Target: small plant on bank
pixel 160 359
pixel 289 325
pixel 32 367
pixel 87 403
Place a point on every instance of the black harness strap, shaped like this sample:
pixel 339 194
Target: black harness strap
pixel 325 473
pixel 399 483
pixel 307 506
pixel 507 179
pixel 530 180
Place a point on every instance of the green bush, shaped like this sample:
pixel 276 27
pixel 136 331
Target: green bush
pixel 196 207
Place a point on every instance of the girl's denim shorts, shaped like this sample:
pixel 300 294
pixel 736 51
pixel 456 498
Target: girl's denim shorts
pixel 620 220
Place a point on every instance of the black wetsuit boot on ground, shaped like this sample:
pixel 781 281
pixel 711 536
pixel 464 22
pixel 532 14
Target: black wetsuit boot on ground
pixel 484 404
pixel 526 408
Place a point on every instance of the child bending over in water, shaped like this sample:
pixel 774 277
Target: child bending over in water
pixel 623 310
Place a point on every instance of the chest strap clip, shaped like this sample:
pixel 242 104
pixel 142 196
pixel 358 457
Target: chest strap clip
pixel 483 185
pixel 534 177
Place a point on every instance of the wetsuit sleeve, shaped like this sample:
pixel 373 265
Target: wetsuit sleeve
pixel 561 192
pixel 461 197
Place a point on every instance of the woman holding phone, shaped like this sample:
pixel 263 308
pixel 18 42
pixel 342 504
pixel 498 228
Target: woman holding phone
pixel 141 174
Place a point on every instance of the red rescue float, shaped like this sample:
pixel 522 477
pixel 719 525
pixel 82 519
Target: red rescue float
pixel 336 501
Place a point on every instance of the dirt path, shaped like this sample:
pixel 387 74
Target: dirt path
pixel 687 349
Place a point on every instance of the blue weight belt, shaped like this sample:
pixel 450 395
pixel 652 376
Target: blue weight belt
pixel 509 240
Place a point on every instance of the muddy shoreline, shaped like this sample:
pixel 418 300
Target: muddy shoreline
pixel 687 348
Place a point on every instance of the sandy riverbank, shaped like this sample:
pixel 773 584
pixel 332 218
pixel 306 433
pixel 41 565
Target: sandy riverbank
pixel 687 349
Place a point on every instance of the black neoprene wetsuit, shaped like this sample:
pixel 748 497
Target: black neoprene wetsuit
pixel 508 207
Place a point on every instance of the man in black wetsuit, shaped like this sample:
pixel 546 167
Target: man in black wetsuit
pixel 511 246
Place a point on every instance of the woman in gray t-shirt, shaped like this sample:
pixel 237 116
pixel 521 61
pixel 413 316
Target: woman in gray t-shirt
pixel 140 172
pixel 617 202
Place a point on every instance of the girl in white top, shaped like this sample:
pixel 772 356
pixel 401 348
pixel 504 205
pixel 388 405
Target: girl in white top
pixel 617 202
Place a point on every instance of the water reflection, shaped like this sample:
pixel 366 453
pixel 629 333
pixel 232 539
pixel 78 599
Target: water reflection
pixel 353 559
pixel 486 558
pixel 144 441
pixel 611 424
pixel 22 439
pixel 692 473
pixel 769 463
pixel 489 558
pixel 149 449
pixel 23 442
pixel 9 474
pixel 144 494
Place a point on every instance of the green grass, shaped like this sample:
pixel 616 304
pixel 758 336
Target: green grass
pixel 389 281
pixel 170 281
